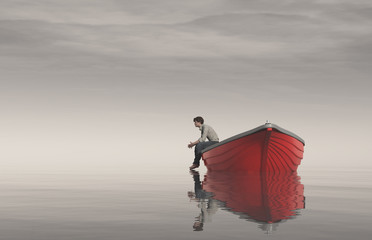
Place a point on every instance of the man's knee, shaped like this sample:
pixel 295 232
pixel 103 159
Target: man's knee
pixel 199 147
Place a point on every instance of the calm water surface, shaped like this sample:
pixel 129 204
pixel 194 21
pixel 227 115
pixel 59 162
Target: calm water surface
pixel 314 204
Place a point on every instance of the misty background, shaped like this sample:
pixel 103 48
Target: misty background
pixel 112 86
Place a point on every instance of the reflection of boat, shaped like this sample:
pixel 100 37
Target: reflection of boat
pixel 267 148
pixel 267 198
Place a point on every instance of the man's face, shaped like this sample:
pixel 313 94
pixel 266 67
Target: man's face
pixel 197 124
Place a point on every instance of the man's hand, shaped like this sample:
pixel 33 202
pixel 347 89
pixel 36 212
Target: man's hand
pixel 191 144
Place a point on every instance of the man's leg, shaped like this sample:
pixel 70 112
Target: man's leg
pixel 199 148
pixel 198 155
pixel 209 143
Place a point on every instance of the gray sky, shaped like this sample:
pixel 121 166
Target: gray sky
pixel 111 73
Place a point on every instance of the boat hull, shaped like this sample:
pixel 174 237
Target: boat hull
pixel 267 148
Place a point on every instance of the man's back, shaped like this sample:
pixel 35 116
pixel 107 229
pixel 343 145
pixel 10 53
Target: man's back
pixel 207 132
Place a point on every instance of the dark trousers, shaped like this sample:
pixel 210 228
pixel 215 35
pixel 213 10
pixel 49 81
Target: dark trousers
pixel 198 149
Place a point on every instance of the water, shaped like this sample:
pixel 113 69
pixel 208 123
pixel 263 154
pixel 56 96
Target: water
pixel 162 204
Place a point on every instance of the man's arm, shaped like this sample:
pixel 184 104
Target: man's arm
pixel 191 144
pixel 203 137
pixel 204 134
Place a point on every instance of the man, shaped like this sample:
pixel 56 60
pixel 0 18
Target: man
pixel 207 132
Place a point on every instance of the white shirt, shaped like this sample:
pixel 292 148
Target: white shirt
pixel 207 132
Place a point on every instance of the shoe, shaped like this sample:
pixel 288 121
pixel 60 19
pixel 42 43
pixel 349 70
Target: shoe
pixel 194 166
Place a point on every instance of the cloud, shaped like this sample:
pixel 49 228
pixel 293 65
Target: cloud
pixel 97 12
pixel 238 36
pixel 77 12
pixel 249 36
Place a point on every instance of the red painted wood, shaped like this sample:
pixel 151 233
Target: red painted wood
pixel 267 150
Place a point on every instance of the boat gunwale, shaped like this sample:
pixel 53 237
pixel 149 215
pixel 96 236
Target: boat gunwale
pixel 252 131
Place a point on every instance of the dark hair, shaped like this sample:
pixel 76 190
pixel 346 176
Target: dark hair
pixel 199 119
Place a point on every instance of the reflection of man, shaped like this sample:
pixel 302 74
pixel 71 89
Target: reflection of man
pixel 207 132
pixel 206 203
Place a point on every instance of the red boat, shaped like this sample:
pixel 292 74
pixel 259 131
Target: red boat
pixel 266 198
pixel 267 148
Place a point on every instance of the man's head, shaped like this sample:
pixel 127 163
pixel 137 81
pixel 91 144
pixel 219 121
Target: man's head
pixel 198 121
